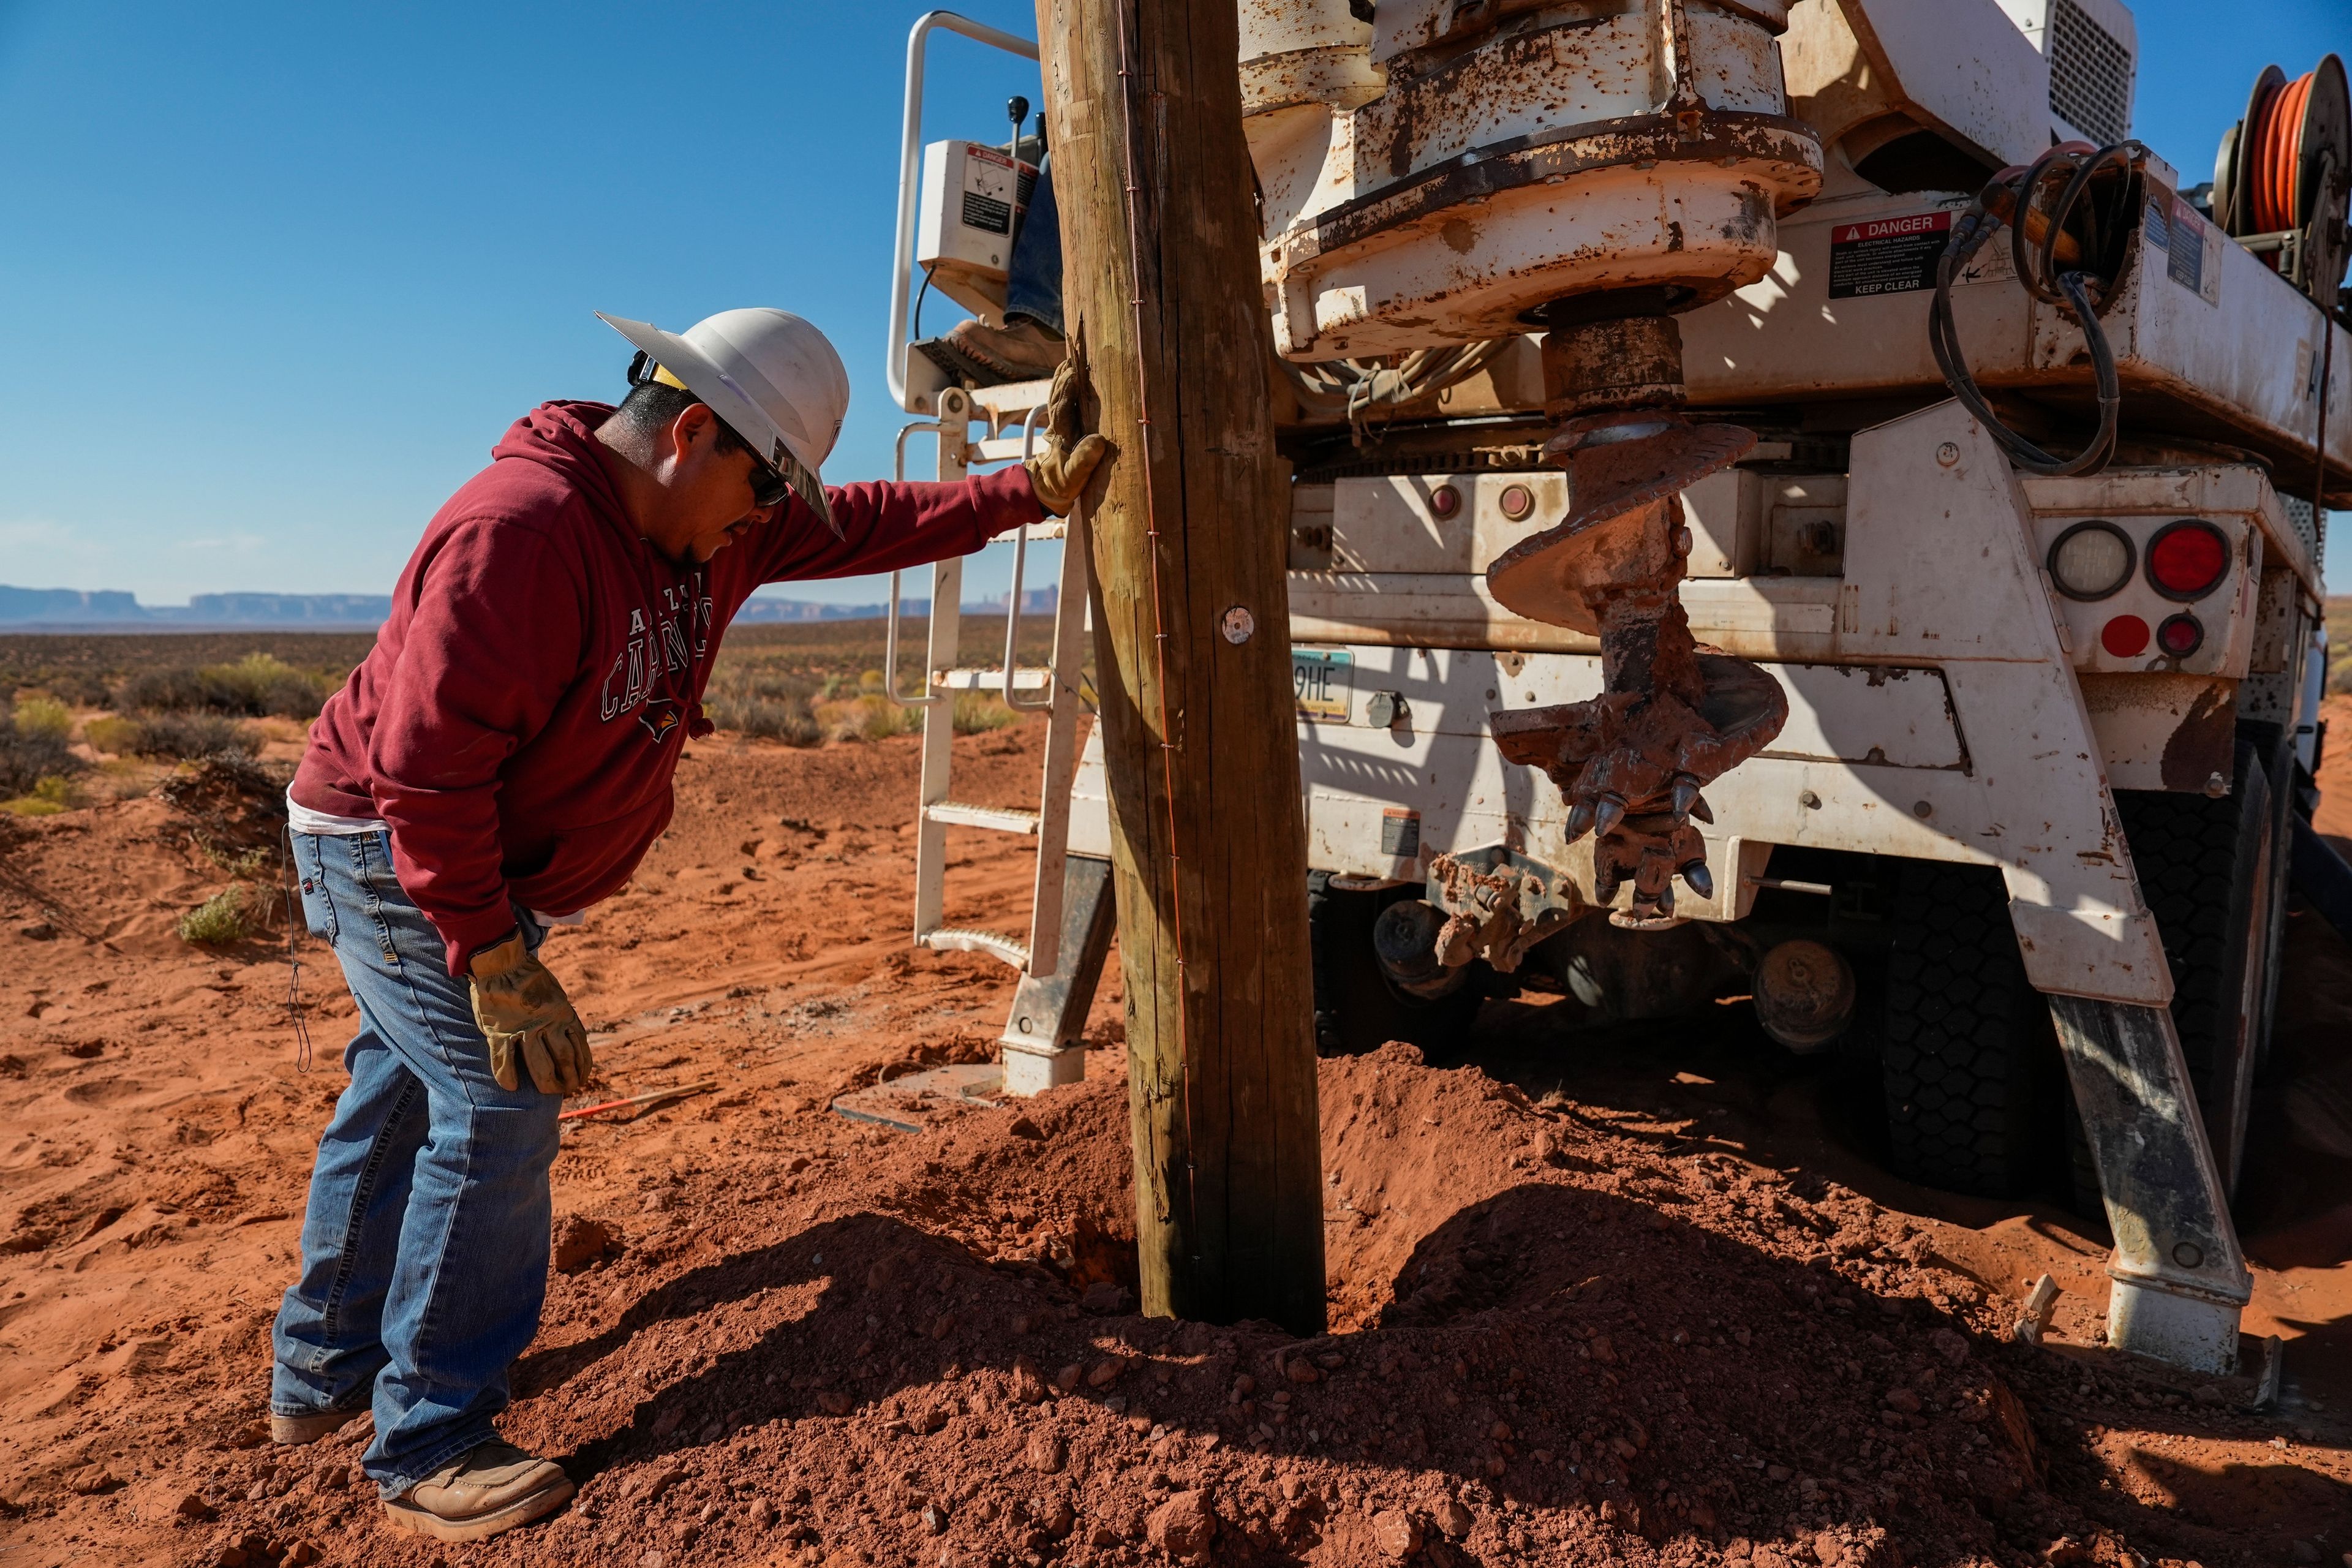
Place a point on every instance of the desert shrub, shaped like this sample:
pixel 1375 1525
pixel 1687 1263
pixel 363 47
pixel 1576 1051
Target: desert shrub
pixel 112 733
pixel 977 713
pixel 180 736
pixel 168 691
pixel 44 716
pixel 30 753
pixel 257 686
pixel 49 796
pixel 763 702
pixel 869 717
pixel 225 917
pixel 78 688
pixel 771 718
pixel 233 810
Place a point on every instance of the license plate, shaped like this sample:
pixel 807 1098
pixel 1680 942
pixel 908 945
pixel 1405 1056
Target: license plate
pixel 1324 682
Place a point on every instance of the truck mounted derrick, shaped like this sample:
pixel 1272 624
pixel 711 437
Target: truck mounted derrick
pixel 1809 451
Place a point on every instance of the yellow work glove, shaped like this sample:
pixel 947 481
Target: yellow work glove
pixel 1059 473
pixel 523 1012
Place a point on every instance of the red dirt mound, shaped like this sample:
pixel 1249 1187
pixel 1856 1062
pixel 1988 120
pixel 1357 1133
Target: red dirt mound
pixel 1555 1343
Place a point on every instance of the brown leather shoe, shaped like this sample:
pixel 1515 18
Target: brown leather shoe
pixel 291 1431
pixel 493 1489
pixel 1021 349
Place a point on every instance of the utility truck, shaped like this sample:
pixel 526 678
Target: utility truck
pixel 1785 498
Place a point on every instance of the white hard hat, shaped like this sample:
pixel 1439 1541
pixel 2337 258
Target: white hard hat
pixel 771 375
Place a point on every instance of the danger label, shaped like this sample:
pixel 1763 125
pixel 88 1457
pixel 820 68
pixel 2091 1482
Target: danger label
pixel 1401 833
pixel 1886 256
pixel 988 190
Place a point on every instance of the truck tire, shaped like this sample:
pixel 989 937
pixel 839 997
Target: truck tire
pixel 1968 1055
pixel 2210 872
pixel 1356 1007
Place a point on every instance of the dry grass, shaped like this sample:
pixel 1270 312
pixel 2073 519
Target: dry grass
pixel 182 737
pixel 176 696
pixel 36 759
pixel 807 684
pixel 84 669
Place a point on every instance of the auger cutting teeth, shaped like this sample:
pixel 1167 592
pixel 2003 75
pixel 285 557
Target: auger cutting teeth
pixel 1687 798
pixel 1670 719
pixel 1607 813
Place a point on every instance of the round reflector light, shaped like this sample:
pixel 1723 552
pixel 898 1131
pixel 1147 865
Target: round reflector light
pixel 2125 636
pixel 1446 501
pixel 2186 558
pixel 2090 560
pixel 2180 635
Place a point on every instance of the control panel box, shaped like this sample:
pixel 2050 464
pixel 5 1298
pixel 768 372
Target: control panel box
pixel 973 196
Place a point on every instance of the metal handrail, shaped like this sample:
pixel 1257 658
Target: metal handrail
pixel 890 626
pixel 1012 602
pixel 910 171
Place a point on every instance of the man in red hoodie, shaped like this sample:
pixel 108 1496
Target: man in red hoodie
pixel 500 762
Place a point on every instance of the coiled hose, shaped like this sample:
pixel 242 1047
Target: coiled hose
pixel 2038 270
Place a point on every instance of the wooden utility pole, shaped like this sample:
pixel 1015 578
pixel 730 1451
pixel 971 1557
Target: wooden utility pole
pixel 1189 530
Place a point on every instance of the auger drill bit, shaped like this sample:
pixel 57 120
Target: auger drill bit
pixel 1670 719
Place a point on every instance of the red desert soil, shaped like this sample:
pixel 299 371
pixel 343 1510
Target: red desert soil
pixel 1647 1316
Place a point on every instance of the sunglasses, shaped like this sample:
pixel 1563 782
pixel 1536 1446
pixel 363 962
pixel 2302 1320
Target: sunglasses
pixel 769 488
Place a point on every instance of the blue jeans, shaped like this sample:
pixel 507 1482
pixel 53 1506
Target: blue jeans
pixel 1033 283
pixel 424 1244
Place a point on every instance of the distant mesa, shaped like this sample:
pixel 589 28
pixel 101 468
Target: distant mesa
pixel 61 609
pixel 33 608
pixel 760 611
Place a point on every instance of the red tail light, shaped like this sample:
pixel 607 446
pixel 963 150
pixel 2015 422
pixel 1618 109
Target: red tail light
pixel 2124 636
pixel 2180 635
pixel 2186 558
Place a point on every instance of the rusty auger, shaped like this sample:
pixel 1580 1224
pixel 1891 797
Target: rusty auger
pixel 1671 717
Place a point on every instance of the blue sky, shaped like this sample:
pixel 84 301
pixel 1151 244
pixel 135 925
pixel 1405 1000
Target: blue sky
pixel 274 276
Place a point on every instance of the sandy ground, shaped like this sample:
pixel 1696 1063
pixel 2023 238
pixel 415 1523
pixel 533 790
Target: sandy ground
pixel 1627 1299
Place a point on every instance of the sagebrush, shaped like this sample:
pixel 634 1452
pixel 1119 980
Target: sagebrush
pixel 182 737
pixel 225 917
pixel 257 686
pixel 32 747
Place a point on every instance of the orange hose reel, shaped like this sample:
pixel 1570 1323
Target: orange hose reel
pixel 2273 141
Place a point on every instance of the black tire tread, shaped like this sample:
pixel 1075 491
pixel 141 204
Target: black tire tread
pixel 1968 1046
pixel 2185 849
pixel 2195 857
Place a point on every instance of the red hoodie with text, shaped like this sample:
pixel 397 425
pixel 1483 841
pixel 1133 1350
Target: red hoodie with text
pixel 524 708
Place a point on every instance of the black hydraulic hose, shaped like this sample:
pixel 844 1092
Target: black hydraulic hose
pixel 2038 274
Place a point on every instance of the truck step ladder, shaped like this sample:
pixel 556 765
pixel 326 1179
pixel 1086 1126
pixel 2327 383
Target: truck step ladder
pixel 1070 911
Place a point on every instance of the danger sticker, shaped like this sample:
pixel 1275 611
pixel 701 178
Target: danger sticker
pixel 988 190
pixel 1401 833
pixel 1886 256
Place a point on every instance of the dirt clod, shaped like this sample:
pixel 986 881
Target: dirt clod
pixel 580 1242
pixel 1397 1534
pixel 1184 1527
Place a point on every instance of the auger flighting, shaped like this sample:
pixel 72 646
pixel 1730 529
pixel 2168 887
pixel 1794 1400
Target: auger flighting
pixel 1671 719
